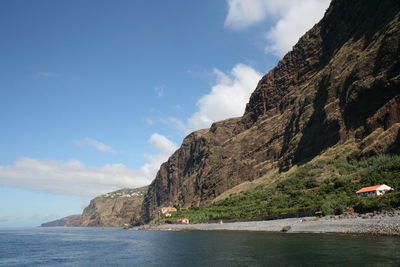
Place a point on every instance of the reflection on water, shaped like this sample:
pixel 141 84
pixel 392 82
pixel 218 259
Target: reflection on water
pixel 114 246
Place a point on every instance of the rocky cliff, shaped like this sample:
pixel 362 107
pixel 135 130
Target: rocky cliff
pixel 114 209
pixel 340 84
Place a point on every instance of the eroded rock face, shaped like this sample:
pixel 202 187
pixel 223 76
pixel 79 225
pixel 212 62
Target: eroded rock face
pixel 114 209
pixel 340 83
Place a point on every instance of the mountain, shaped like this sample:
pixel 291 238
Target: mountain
pixel 73 220
pixel 338 88
pixel 114 209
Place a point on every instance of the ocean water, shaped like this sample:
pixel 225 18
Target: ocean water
pixel 119 247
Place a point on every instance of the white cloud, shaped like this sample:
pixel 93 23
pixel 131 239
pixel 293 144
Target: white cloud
pixel 227 98
pixel 163 144
pixel 290 18
pixel 296 21
pixel 75 178
pixel 243 13
pixel 96 144
pixel 165 147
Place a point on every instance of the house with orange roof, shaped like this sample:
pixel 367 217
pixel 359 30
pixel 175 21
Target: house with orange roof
pixel 375 190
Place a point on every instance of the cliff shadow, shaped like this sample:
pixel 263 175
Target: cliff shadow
pixel 319 133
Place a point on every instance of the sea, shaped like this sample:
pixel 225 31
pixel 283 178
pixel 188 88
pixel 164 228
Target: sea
pixel 62 246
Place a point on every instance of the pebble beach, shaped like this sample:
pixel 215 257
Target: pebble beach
pixel 379 224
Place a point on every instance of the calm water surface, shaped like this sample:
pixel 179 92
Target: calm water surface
pixel 118 247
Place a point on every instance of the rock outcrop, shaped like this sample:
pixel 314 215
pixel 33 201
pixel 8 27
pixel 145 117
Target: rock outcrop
pixel 117 208
pixel 339 84
pixel 73 220
pixel 114 209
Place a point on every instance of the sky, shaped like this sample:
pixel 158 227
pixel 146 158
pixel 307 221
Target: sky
pixel 95 95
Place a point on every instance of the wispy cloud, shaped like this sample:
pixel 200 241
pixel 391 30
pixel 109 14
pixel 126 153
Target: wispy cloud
pixel 291 19
pixel 226 99
pixel 159 91
pixel 178 124
pixel 149 121
pixel 75 178
pixel 96 144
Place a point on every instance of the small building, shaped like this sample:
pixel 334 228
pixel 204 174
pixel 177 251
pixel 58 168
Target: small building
pixel 166 211
pixel 185 221
pixel 375 190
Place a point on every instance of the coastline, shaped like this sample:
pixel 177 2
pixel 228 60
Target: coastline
pixel 377 224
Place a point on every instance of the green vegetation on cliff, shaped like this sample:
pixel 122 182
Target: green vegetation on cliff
pixel 326 185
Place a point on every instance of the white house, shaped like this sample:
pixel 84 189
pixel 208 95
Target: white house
pixel 166 211
pixel 185 221
pixel 375 190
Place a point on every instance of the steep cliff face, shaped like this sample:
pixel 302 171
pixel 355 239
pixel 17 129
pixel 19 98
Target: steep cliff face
pixel 114 209
pixel 340 83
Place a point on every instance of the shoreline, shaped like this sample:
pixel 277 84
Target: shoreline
pixel 366 224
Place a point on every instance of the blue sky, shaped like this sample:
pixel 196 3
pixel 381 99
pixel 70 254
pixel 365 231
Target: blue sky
pixel 94 95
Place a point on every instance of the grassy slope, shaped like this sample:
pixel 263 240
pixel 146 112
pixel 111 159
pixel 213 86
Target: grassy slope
pixel 327 184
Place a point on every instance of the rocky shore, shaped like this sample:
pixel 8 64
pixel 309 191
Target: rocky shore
pixel 372 223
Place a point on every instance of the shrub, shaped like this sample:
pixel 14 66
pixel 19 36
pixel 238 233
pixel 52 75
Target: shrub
pixel 368 204
pixel 311 183
pixel 339 182
pixel 326 188
pixel 334 205
pixel 391 200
